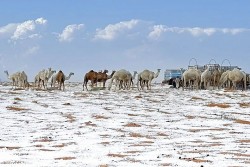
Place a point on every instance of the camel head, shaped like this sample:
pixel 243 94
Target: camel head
pixel 157 74
pixel 105 71
pixel 71 73
pixel 6 72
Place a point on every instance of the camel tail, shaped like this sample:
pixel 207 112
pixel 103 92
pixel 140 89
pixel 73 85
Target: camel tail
pixel 85 81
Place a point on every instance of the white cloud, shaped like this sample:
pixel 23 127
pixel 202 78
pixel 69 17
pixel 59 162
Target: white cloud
pixel 24 30
pixel 158 30
pixel 112 30
pixel 41 21
pixel 8 29
pixel 31 51
pixel 68 33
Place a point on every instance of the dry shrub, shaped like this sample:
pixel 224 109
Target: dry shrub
pixel 244 105
pixel 132 115
pixel 165 164
pixel 100 117
pixel 196 160
pixel 9 147
pixel 117 155
pixel 65 158
pixel 135 135
pixel 67 104
pixel 196 98
pixel 220 105
pixel 44 139
pixel 43 149
pixel 133 152
pixel 17 98
pixel 15 108
pixel 105 143
pixel 103 165
pixel 106 108
pixel 12 162
pixel 244 141
pixel 132 125
pixel 138 97
pixel 70 118
pixel 190 117
pixel 59 145
pixel 89 123
pixel 242 121
pixel 161 134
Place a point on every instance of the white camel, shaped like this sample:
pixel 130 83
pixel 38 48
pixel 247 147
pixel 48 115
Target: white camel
pixel 146 77
pixel 236 76
pixel 23 80
pixel 121 76
pixel 43 76
pixel 206 77
pixel 191 75
pixel 53 78
pixel 13 77
pixel 224 82
pixel 216 78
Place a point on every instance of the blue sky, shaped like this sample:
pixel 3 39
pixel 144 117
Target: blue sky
pixel 80 35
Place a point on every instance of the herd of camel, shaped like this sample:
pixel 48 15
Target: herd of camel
pixel 216 77
pixel 123 79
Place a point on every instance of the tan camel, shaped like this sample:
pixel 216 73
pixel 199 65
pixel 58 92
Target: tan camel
pixel 53 78
pixel 60 78
pixel 206 78
pixel 121 76
pixel 236 76
pixel 145 78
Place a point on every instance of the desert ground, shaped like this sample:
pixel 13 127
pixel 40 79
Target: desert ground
pixel 159 127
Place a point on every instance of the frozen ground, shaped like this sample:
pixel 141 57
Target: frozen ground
pixel 161 127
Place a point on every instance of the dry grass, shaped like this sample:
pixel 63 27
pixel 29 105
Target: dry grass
pixel 244 141
pixel 16 108
pixel 135 135
pixel 17 98
pixel 89 123
pixel 9 147
pixel 70 118
pixel 65 158
pixel 132 125
pixel 244 105
pixel 220 105
pixel 67 104
pixel 12 162
pixel 103 165
pixel 196 98
pixel 44 139
pixel 117 155
pixel 162 134
pixel 242 121
pixel 100 117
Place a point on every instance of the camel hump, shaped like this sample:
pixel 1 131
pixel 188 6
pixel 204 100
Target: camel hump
pixel 91 71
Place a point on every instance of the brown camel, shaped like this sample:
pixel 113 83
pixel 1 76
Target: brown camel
pixel 102 77
pixel 60 78
pixel 92 76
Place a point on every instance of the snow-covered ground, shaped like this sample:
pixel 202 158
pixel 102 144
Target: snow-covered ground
pixel 161 127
